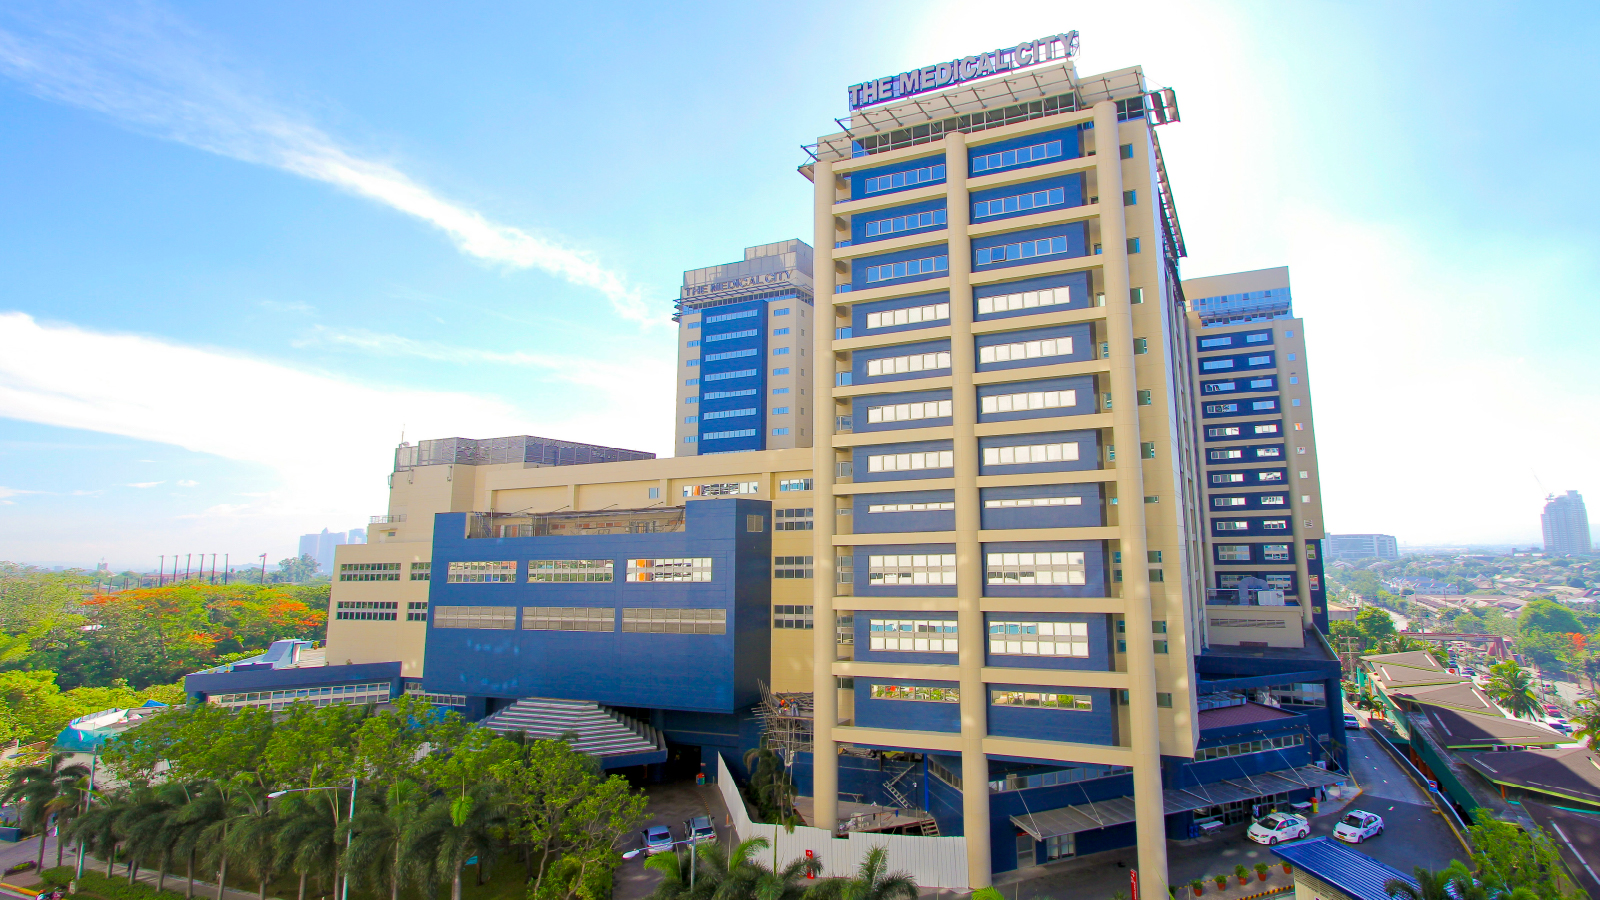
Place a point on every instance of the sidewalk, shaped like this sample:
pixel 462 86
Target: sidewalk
pixel 176 882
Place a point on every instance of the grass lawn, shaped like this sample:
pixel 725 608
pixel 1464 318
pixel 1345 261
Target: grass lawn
pixel 505 883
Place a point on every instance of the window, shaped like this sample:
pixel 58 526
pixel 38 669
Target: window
pixel 779 432
pixel 907 462
pixel 1232 525
pixel 1275 524
pixel 792 567
pixel 499 618
pixel 1218 408
pixel 1034 568
pixel 1233 552
pixel 369 572
pixel 728 354
pixel 1211 365
pixel 912 178
pixel 1219 387
pixel 1227 454
pixel 913 635
pixel 991 161
pixel 1230 431
pixel 649 620
pixel 1039 638
pixel 782 371
pixel 691 382
pixel 560 571
pixel 1229 501
pixel 924 266
pixel 670 570
pixel 1163 700
pixel 792 520
pixel 1159 646
pixel 844 628
pixel 414 689
pixel 417 611
pixel 1032 501
pixel 1004 403
pixel 1259 384
pixel 728 413
pixel 1294 402
pixel 690 420
pixel 779 332
pixel 1272 500
pixel 910 507
pixel 723 376
pixel 1269 476
pixel 1023 250
pixel 1019 203
pixel 334 695
pixel 721 435
pixel 1258 746
pixel 1060 846
pixel 1145 398
pixel 1133 245
pixel 1047 347
pixel 919 692
pixel 781 312
pixel 1034 453
pixel 906 222
pixel 653 493
pixel 691 399
pixel 777 391
pixel 689 439
pixel 694 343
pixel 1280 581
pixel 1024 300
pixel 729 317
pixel 912 315
pixel 907 412
pixel 786 615
pixel 1127 151
pixel 1268 452
pixel 691 362
pixel 1079 702
pixel 1147 450
pixel 900 365
pixel 1227 478
pixel 1258 338
pixel 794 484
pixel 1264 405
pixel 569 618
pixel 780 351
pixel 1130 198
pixel 1270 428
pixel 1275 552
pixel 911 569
pixel 504 572
pixel 367 610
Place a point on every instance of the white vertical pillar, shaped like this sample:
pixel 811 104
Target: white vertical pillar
pixel 970 630
pixel 1145 732
pixel 825 699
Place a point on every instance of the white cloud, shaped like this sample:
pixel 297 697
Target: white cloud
pixel 145 484
pixel 6 493
pixel 150 70
pixel 188 483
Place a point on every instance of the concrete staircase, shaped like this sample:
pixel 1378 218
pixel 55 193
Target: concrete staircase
pixel 599 731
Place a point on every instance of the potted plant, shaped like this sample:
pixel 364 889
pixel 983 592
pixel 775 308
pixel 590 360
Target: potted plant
pixel 1287 869
pixel 1221 880
pixel 1242 874
pixel 1198 887
pixel 1261 870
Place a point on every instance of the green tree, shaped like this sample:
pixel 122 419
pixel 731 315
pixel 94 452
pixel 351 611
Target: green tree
pixel 377 848
pixel 1512 687
pixel 253 839
pixel 1548 616
pixel 1375 624
pixel 1430 886
pixel 453 829
pixel 96 829
pixel 298 569
pixel 1508 858
pixel 770 789
pixel 44 790
pixel 871 882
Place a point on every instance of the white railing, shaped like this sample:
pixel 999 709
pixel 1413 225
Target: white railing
pixel 933 862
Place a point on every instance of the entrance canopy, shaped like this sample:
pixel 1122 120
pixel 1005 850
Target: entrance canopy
pixel 1119 810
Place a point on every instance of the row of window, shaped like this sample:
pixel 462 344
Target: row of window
pixel 791 567
pixel 1268 405
pixel 1241 552
pixel 997 353
pixel 1244 524
pixel 1223 387
pixel 911 315
pixel 1240 749
pixel 1241 477
pixel 912 635
pixel 1264 499
pixel 1023 250
pixel 908 268
pixel 570 570
pixel 414 689
pixel 908 462
pixel 724 435
pixel 917 362
pixel 1214 365
pixel 911 178
pixel 1029 453
pixel 794 484
pixel 792 519
pixel 729 413
pixel 724 376
pixel 786 615
pixel 642 620
pixel 731 335
pixel 1006 158
pixel 321 696
pixel 906 222
pixel 1042 700
pixel 1259 337
pixel 1237 430
pixel 1019 203
pixel 1004 403
pixel 909 412
pixel 1238 453
pixel 1024 300
pixel 910 507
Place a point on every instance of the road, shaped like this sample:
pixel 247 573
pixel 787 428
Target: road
pixel 28 850
pixel 1415 833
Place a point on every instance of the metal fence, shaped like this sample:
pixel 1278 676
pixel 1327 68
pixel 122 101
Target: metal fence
pixel 931 861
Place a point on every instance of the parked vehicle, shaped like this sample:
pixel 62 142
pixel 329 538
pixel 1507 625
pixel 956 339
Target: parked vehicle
pixel 1278 827
pixel 657 839
pixel 1357 826
pixel 1554 710
pixel 699 830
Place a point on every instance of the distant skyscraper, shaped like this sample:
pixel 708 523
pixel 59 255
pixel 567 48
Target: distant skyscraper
pixel 320 547
pixel 1566 524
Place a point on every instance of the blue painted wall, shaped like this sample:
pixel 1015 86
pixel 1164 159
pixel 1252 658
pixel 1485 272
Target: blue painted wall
pixel 858 267
pixel 915 715
pixel 860 406
pixel 1077 282
pixel 1082 384
pixel 896 522
pixel 858 365
pixel 859 312
pixel 710 673
pixel 201 686
pixel 1072 194
pixel 1082 336
pixel 1093 726
pixel 860 461
pixel 1088 452
pixel 1090 512
pixel 858 179
pixel 758 360
pixel 1076 233
pixel 858 222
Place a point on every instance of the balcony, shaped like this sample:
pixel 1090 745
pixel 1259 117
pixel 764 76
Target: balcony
pixel 844 334
pixel 386 520
pixel 844 424
pixel 838 244
pixel 842 379
pixel 843 288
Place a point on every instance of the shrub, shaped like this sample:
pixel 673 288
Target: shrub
pixel 98 884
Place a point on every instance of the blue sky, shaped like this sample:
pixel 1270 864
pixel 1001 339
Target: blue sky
pixel 245 247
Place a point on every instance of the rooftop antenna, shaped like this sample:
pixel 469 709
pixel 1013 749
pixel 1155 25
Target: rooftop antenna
pixel 1547 494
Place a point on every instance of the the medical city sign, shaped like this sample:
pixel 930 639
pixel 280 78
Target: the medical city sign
pixel 930 78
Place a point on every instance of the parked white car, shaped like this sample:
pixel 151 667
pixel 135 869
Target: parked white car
pixel 1357 826
pixel 1278 827
pixel 657 839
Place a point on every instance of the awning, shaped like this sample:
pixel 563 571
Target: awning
pixel 1119 810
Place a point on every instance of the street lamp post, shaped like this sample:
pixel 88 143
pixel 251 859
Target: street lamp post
pixel 344 892
pixel 87 794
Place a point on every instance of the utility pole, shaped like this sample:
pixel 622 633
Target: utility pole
pixel 263 568
pixel 161 577
pixel 188 564
pixel 224 568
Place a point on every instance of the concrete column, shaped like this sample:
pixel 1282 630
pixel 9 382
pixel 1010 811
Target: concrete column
pixel 1144 731
pixel 825 700
pixel 970 631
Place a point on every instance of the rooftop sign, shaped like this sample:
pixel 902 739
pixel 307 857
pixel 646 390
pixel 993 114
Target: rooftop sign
pixel 701 290
pixel 956 71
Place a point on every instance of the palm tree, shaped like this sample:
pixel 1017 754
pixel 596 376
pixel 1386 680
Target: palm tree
pixel 40 787
pixel 1430 886
pixel 308 838
pixel 70 801
pixel 188 826
pixel 379 829
pixel 252 840
pixel 721 874
pixel 1512 688
pixel 789 882
pixel 96 829
pixel 144 826
pixel 871 882
pixel 451 831
pixel 210 813
pixel 1588 722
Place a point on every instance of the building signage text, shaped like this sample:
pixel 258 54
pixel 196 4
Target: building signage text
pixel 956 71
pixel 700 290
